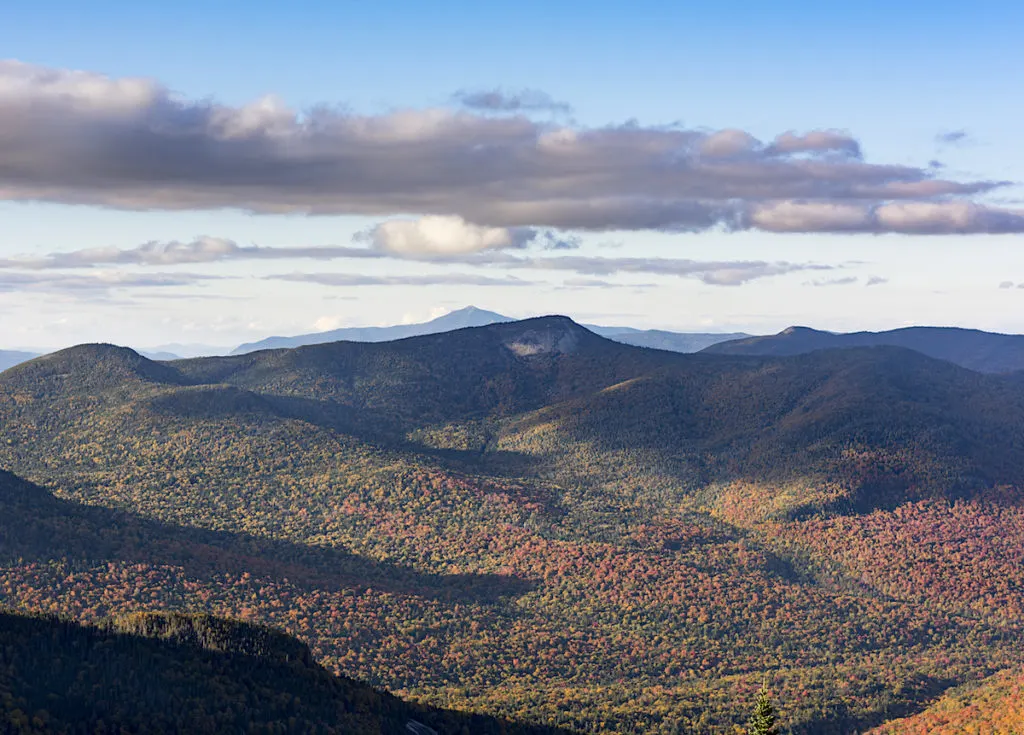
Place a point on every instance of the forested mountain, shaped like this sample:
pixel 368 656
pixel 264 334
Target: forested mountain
pixel 985 352
pixel 531 521
pixel 171 672
pixel 10 358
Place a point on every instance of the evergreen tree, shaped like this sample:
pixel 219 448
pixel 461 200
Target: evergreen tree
pixel 762 721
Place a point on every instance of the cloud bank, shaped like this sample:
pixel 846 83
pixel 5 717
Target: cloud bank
pixel 440 279
pixel 94 283
pixel 448 242
pixel 80 137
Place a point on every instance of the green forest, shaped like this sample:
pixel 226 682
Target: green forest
pixel 528 523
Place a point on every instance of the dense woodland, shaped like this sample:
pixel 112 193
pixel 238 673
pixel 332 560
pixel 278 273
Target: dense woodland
pixel 534 523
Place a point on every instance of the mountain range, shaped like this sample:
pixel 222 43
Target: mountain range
pixel 471 316
pixel 531 522
pixel 985 352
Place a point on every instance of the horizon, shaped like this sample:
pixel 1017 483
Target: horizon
pixel 201 349
pixel 616 170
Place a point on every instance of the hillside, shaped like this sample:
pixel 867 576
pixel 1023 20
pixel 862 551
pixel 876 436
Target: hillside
pixel 170 672
pixel 531 521
pixel 993 707
pixel 984 352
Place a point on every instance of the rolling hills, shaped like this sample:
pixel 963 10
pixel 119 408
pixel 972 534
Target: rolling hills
pixel 531 521
pixel 985 352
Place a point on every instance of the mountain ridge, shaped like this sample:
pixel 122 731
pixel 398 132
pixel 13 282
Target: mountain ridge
pixel 987 352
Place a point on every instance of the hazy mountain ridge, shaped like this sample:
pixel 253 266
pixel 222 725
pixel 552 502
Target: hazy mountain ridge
pixel 985 352
pixel 471 316
pixel 661 339
pixel 467 317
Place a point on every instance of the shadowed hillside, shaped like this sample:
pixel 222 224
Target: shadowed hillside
pixel 163 673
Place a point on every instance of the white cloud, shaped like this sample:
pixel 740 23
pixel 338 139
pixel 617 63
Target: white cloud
pixel 435 235
pixel 845 281
pixel 946 217
pixel 817 141
pixel 810 217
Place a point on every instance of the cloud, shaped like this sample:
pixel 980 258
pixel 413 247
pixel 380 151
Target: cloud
pixel 80 137
pixel 580 283
pixel 448 242
pixel 714 273
pixel 441 279
pixel 910 218
pixel 810 217
pixel 846 281
pixel 201 250
pixel 436 235
pixel 928 218
pixel 498 100
pixel 876 281
pixel 817 141
pixel 92 283
pixel 952 137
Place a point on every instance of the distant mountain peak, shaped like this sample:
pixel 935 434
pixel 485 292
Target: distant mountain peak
pixel 471 310
pixel 795 329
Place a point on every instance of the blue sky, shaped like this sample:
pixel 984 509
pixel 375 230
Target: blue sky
pixel 894 77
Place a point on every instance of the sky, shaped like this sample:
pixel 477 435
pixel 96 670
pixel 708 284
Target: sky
pixel 217 172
